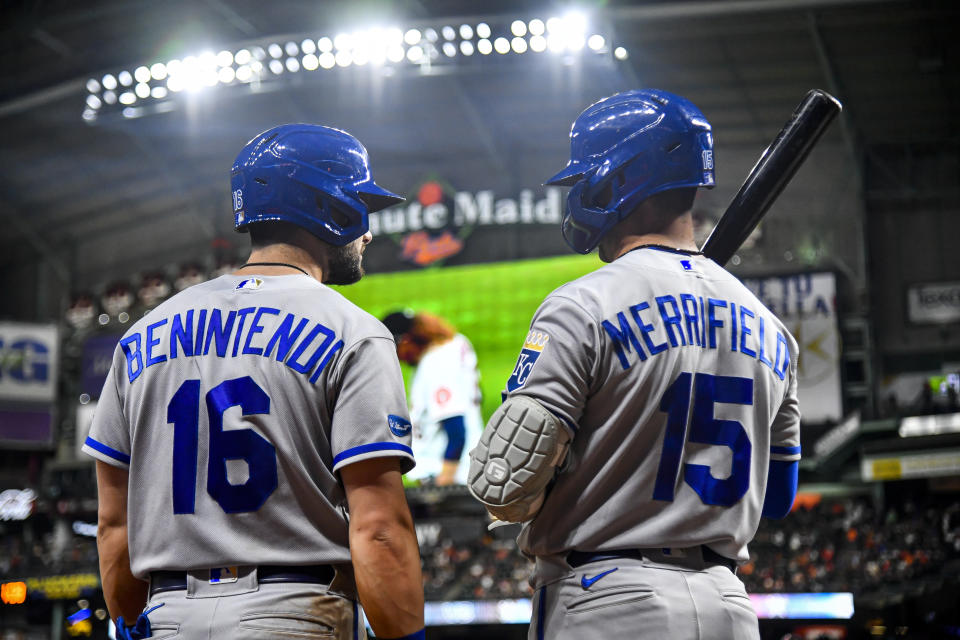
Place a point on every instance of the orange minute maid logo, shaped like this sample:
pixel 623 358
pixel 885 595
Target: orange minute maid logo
pixel 533 346
pixel 439 238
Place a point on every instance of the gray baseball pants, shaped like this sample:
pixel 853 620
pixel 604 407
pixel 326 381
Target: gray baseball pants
pixel 246 610
pixel 643 599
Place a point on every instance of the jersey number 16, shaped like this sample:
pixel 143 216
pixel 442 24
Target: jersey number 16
pixel 234 444
pixel 704 429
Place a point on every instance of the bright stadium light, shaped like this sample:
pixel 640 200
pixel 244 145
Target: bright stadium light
pixel 395 53
pixel 377 45
pixel 393 36
pixel 415 54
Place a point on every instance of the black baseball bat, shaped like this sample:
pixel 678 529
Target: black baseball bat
pixel 776 166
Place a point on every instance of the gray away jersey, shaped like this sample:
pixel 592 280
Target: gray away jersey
pixel 233 404
pixel 678 386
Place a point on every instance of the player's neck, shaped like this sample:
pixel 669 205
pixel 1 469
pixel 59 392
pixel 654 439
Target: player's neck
pixel 284 259
pixel 678 235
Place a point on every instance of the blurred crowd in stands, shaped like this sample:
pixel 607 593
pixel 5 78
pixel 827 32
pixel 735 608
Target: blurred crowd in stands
pixel 46 556
pixel 848 545
pixel 837 545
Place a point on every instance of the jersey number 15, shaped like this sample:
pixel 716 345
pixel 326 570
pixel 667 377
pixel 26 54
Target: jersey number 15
pixel 704 429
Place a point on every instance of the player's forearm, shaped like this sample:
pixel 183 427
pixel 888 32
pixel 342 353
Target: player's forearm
pixel 125 594
pixel 386 562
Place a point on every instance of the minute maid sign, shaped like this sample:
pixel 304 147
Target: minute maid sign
pixel 435 223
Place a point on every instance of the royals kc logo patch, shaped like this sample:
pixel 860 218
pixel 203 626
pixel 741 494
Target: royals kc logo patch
pixel 533 346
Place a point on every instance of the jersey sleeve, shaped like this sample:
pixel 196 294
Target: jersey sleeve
pixel 370 418
pixel 785 430
pixel 556 362
pixel 109 437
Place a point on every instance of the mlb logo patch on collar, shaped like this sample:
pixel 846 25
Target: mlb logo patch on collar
pixel 687 265
pixel 250 284
pixel 533 346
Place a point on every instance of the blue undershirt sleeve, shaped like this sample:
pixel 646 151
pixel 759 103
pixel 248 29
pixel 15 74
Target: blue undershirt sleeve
pixel 781 488
pixel 456 431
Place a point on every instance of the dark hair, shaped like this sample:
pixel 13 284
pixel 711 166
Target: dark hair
pixel 264 234
pixel 663 208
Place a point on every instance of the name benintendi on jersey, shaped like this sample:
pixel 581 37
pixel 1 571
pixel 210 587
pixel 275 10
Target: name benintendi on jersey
pixel 690 320
pixel 195 332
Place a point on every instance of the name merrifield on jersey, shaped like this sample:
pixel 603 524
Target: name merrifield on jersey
pixel 197 331
pixel 690 321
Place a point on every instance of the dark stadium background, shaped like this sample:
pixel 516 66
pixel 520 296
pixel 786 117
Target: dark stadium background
pixel 106 207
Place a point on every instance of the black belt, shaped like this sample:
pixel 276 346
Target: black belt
pixel 161 581
pixel 710 557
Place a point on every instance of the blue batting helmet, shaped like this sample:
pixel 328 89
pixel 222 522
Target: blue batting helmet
pixel 624 149
pixel 312 176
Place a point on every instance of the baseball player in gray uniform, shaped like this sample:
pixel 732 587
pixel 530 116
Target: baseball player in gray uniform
pixel 253 429
pixel 652 415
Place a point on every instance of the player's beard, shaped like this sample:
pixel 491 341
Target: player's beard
pixel 344 265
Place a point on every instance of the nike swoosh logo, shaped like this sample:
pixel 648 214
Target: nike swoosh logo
pixel 586 582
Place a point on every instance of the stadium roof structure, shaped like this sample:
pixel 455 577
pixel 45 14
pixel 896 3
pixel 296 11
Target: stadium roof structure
pixel 87 195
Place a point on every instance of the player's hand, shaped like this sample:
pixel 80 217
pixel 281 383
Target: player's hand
pixel 139 630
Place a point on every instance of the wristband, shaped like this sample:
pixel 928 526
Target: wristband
pixel 416 635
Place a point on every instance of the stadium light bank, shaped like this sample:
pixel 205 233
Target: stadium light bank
pixel 153 86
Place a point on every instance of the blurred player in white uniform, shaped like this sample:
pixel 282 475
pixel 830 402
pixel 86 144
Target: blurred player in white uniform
pixel 444 395
pixel 253 429
pixel 652 415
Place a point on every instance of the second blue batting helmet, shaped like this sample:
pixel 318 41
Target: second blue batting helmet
pixel 624 149
pixel 315 177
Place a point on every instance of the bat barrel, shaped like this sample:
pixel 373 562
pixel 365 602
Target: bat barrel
pixel 778 164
